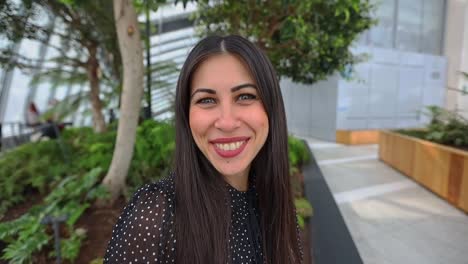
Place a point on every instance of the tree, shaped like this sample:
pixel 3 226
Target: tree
pixel 132 58
pixel 87 44
pixel 133 70
pixel 306 40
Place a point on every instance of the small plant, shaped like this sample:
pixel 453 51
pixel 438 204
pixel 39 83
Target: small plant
pixel 298 153
pixel 26 236
pixel 303 210
pixel 447 127
pixel 298 156
pixel 30 166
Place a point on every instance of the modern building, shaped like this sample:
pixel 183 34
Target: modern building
pixel 416 52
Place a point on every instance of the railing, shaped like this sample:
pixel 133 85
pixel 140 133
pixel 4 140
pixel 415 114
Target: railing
pixel 21 133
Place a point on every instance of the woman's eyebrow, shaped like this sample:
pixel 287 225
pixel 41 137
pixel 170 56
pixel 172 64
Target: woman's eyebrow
pixel 233 89
pixel 204 90
pixel 245 85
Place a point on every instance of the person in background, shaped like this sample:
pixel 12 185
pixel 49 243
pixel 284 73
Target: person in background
pixel 32 115
pixel 48 129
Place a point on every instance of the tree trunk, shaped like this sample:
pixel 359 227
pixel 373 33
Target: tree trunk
pixel 99 123
pixel 132 59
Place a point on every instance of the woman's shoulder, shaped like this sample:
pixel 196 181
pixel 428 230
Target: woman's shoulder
pixel 155 193
pixel 145 224
pixel 164 185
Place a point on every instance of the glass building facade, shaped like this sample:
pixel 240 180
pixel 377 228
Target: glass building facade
pixel 408 25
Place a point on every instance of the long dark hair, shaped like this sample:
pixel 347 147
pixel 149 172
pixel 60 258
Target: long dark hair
pixel 202 217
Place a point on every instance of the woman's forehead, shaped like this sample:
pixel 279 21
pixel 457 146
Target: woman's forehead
pixel 221 71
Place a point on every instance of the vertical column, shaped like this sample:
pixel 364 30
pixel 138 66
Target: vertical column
pixel 456 51
pixel 42 56
pixel 5 82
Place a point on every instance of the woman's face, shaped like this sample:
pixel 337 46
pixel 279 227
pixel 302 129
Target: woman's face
pixel 227 118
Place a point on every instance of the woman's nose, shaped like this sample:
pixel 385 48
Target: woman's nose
pixel 227 119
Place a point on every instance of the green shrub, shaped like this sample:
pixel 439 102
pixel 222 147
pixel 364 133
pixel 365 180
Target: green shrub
pixel 413 133
pixel 33 165
pixel 297 152
pixel 298 156
pixel 303 210
pixel 153 154
pixel 26 236
pixel 39 165
pixel 446 127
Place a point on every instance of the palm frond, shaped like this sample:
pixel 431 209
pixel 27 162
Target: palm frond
pixel 65 107
pixel 59 77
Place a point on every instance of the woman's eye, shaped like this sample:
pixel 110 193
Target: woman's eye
pixel 206 101
pixel 244 97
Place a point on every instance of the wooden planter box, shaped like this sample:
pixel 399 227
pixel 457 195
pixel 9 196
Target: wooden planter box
pixel 441 169
pixel 357 137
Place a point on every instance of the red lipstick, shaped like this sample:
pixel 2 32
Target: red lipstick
pixel 229 153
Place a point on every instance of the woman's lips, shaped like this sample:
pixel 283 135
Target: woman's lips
pixel 229 147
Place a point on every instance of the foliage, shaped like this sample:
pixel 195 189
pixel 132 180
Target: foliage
pixel 306 40
pixel 97 261
pixel 412 133
pixel 81 43
pixel 299 156
pixel 29 166
pixel 78 26
pixel 298 153
pixel 27 236
pixel 37 166
pixel 303 210
pixel 446 127
pixel 154 147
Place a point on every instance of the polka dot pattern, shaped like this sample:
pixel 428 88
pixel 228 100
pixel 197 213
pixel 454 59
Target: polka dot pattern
pixel 144 233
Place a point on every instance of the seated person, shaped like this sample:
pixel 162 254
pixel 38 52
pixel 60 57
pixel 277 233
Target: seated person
pixel 50 128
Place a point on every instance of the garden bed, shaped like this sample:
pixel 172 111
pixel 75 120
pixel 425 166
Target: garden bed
pixel 442 169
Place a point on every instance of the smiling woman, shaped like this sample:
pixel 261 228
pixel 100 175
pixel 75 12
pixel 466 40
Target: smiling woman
pixel 228 121
pixel 229 198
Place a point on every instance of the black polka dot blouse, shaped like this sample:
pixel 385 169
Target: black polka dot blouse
pixel 144 233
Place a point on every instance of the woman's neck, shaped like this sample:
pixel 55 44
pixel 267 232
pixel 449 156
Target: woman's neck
pixel 239 181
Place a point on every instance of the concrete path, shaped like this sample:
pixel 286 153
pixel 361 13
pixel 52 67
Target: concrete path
pixel 392 219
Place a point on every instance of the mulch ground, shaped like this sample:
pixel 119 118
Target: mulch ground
pixel 98 223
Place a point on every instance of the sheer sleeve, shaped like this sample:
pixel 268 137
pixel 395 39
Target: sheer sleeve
pixel 144 231
pixel 299 239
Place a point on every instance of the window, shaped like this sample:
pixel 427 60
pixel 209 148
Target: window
pixel 381 35
pixel 432 26
pixel 408 25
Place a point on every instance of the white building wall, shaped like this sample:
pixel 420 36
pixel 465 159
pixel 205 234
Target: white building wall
pixel 390 90
pixel 456 51
pixel 311 109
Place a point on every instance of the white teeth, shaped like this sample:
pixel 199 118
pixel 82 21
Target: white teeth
pixel 230 146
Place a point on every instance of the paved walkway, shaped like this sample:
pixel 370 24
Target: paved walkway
pixel 392 219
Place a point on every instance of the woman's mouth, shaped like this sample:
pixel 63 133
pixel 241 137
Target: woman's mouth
pixel 228 148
